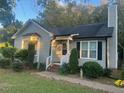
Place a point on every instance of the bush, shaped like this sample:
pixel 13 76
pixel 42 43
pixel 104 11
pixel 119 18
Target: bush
pixel 1 56
pixel 31 53
pixel 73 61
pixel 42 66
pixel 107 72
pixel 5 63
pixel 122 74
pixel 8 52
pixel 17 65
pixel 22 54
pixel 92 70
pixel 64 69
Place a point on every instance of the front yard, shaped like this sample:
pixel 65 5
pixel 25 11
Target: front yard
pixel 24 82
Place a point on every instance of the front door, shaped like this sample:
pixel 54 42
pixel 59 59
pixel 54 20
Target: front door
pixel 61 48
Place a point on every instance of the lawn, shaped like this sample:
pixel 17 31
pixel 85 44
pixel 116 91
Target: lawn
pixel 24 82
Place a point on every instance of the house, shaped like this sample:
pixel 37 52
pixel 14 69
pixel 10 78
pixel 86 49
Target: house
pixel 94 42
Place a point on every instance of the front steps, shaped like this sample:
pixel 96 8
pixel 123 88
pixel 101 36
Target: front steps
pixel 54 67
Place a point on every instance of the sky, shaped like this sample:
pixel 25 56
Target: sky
pixel 27 9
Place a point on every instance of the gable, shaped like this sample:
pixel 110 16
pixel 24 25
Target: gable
pixel 31 27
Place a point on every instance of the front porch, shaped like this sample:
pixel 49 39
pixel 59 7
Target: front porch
pixel 59 51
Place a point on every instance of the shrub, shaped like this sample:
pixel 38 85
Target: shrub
pixel 22 54
pixel 64 69
pixel 1 56
pixel 8 52
pixel 122 74
pixel 5 62
pixel 31 53
pixel 73 61
pixel 92 70
pixel 17 65
pixel 42 66
pixel 107 72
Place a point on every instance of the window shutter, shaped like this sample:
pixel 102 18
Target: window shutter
pixel 99 50
pixel 78 49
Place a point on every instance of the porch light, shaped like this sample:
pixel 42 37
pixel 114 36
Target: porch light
pixel 33 38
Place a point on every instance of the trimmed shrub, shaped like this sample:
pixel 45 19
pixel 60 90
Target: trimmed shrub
pixel 64 69
pixel 5 63
pixel 31 53
pixel 92 70
pixel 22 54
pixel 8 52
pixel 107 72
pixel 17 65
pixel 42 66
pixel 73 61
pixel 122 74
pixel 1 56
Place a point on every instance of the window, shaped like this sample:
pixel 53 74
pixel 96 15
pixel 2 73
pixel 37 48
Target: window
pixel 89 49
pixel 85 49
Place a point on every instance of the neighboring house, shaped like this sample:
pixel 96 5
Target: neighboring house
pixel 94 42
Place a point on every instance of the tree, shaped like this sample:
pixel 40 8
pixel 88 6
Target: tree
pixel 73 61
pixel 6 12
pixel 56 15
pixel 100 14
pixel 6 33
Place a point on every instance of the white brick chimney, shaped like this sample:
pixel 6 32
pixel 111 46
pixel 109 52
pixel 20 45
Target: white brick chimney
pixel 113 42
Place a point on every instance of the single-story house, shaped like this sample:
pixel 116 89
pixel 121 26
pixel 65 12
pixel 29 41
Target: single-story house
pixel 94 42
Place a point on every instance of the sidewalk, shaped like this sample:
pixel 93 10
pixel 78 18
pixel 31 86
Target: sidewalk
pixel 95 85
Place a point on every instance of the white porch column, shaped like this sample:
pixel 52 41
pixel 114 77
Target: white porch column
pixel 68 47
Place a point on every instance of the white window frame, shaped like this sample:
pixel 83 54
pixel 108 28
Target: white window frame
pixel 89 49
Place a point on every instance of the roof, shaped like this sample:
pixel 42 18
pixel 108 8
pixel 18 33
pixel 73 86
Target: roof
pixel 96 30
pixel 85 31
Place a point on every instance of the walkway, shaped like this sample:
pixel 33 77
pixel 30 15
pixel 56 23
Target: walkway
pixel 95 85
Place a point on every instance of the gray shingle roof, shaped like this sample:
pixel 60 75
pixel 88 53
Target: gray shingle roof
pixel 90 30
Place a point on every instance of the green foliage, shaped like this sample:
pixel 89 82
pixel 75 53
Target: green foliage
pixel 8 52
pixel 64 69
pixel 5 63
pixel 6 12
pixel 107 72
pixel 122 74
pixel 17 65
pixel 92 70
pixel 73 61
pixel 1 56
pixel 55 15
pixel 42 66
pixel 22 54
pixel 31 53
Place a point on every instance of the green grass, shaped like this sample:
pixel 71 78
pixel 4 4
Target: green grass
pixel 24 82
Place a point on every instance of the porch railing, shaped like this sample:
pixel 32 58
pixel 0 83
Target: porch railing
pixel 65 59
pixel 48 62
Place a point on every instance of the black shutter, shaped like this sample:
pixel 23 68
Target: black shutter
pixel 99 50
pixel 78 49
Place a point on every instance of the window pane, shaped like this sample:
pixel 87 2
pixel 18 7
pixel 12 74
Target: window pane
pixel 92 45
pixel 85 53
pixel 84 45
pixel 92 54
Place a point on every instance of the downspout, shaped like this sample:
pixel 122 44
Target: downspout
pixel 106 65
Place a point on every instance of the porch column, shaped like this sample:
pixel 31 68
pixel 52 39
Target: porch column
pixel 68 47
pixel 51 51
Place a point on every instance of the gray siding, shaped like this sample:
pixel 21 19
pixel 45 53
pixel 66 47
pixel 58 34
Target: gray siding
pixel 101 62
pixel 45 40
